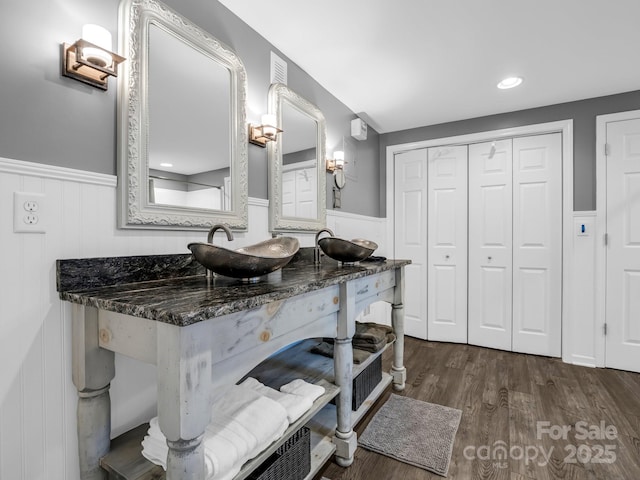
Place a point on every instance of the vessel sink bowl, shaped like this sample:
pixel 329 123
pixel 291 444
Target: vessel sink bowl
pixel 247 263
pixel 347 251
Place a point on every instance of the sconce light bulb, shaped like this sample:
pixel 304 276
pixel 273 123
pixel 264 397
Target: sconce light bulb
pixel 269 125
pixel 338 156
pixel 101 37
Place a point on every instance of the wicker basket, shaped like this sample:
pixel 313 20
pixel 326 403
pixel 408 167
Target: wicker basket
pixel 292 460
pixel 365 382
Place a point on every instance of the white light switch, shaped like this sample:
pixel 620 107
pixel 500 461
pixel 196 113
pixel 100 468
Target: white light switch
pixel 583 229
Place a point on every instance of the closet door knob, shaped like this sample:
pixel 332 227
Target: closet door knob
pixel 447 257
pixel 488 258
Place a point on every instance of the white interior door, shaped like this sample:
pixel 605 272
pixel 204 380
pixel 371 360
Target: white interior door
pixel 306 193
pixel 490 244
pixel 537 244
pixel 623 249
pixel 447 238
pixel 289 194
pixel 410 235
pixel 299 191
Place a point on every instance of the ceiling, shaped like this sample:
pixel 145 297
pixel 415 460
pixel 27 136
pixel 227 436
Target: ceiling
pixel 409 63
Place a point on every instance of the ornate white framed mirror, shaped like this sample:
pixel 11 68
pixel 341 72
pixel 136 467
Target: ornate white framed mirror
pixel 297 178
pixel 182 138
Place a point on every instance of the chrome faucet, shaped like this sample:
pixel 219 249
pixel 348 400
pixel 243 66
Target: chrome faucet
pixel 316 252
pixel 212 231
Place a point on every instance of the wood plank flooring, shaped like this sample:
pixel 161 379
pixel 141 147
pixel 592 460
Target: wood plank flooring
pixel 503 396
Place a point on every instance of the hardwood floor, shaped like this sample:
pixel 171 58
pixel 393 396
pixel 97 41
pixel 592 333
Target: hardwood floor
pixel 503 396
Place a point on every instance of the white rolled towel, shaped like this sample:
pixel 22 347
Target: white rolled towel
pixel 295 405
pixel 304 389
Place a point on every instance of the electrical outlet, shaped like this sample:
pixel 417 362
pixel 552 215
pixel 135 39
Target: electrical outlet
pixel 31 206
pixel 29 212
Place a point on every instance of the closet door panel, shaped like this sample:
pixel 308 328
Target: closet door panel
pixel 537 244
pixel 447 244
pixel 495 313
pixel 410 232
pixel 490 244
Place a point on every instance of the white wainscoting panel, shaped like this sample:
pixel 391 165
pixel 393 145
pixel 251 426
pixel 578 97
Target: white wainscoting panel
pixel 582 332
pixel 37 398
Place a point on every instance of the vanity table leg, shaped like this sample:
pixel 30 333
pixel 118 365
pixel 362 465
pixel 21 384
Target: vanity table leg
pixel 345 438
pixel 184 396
pixel 93 368
pixel 398 372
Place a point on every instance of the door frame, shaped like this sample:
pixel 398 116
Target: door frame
pixel 601 226
pixel 565 127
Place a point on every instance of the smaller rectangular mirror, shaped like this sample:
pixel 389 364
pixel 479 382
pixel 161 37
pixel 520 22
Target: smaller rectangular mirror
pixel 297 197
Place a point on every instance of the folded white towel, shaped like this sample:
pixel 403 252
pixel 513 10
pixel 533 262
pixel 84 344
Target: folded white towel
pixel 243 424
pixel 155 449
pixel 264 419
pixel 304 389
pixel 221 449
pixel 295 405
pixel 234 434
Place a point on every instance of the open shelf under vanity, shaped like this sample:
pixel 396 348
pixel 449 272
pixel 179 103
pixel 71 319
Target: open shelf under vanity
pixel 125 460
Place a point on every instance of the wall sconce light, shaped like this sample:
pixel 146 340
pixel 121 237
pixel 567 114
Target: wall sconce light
pixel 267 132
pixel 90 59
pixel 337 162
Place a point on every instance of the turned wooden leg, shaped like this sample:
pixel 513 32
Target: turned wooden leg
pixel 345 438
pixel 398 372
pixel 180 459
pixel 184 396
pixel 93 368
pixel 94 431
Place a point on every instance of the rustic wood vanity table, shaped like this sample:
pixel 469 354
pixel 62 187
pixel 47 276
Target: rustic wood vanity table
pixel 206 334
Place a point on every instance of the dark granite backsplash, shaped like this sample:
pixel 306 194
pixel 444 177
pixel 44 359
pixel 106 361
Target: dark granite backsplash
pixel 89 273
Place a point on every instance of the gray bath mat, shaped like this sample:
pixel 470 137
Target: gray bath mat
pixel 414 432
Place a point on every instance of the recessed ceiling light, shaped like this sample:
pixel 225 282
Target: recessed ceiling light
pixel 168 165
pixel 510 82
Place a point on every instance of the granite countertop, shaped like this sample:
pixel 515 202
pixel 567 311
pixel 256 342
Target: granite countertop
pixel 173 288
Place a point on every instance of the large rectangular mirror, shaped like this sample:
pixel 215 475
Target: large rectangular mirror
pixel 182 134
pixel 297 197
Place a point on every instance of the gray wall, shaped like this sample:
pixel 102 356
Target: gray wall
pixel 212 177
pixel 583 113
pixel 299 156
pixel 365 188
pixel 46 118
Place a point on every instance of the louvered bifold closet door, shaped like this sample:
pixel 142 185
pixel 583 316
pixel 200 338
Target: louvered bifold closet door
pixel 490 244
